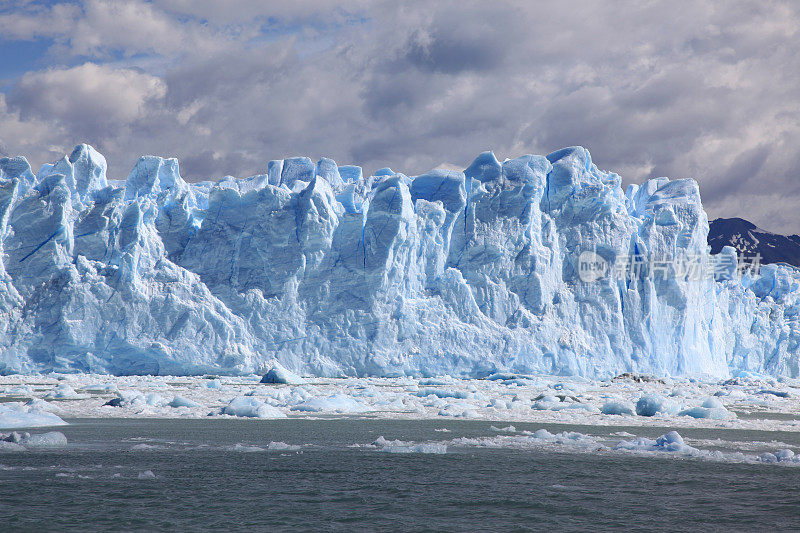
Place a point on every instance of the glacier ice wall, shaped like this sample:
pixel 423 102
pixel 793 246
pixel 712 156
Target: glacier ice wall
pixel 335 273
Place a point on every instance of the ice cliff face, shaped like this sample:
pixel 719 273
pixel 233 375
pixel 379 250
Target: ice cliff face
pixel 335 273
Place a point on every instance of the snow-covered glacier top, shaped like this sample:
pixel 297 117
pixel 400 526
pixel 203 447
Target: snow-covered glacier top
pixel 331 272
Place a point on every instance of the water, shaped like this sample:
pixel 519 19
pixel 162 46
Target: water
pixel 202 482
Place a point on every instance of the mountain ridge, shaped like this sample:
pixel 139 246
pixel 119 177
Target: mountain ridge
pixel 749 239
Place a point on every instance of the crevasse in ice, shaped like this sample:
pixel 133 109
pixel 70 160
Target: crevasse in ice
pixel 331 272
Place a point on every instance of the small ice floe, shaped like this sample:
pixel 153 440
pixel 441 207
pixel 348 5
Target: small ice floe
pixel 459 410
pixel 134 398
pixel 781 456
pixel 548 402
pixel 776 393
pixel 399 446
pixel 24 440
pixel 250 407
pixel 501 376
pixel 440 380
pixel 336 403
pixel 214 384
pixel 282 447
pixel 6 446
pixel 497 403
pixel 180 401
pixel 246 448
pixel 37 404
pixel 14 415
pixel 669 442
pixel 507 429
pixel 19 391
pixel 655 404
pixel 711 408
pixel 144 447
pixel 280 375
pixel 617 408
pixel 444 393
pixel 147 474
pixel 99 388
pixel 527 439
pixel 272 447
pixel 64 392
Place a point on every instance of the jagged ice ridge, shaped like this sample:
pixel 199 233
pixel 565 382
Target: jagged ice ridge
pixel 334 273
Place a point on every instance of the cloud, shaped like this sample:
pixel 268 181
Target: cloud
pixel 703 91
pixel 103 28
pixel 36 138
pixel 90 99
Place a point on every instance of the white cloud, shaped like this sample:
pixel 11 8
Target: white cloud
pixel 37 139
pixel 88 93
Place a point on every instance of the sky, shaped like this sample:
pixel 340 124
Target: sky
pixel 705 90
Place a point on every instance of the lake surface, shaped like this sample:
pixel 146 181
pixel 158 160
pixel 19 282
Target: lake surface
pixel 216 474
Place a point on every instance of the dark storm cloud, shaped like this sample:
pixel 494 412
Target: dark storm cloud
pixel 700 90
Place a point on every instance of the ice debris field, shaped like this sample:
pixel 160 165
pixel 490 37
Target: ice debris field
pixel 333 273
pixel 752 417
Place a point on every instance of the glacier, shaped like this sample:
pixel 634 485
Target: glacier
pixel 328 272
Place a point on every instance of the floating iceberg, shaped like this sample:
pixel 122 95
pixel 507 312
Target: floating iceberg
pixel 399 446
pixel 14 415
pixel 670 442
pixel 279 375
pixel 336 403
pixel 334 273
pixel 247 406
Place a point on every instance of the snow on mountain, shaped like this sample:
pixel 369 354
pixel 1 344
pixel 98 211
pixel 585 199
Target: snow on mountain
pixel 331 273
pixel 747 238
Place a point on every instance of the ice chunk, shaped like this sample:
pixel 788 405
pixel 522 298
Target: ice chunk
pixel 64 392
pixel 713 403
pixel 22 390
pixel 670 442
pixel 655 404
pixel 711 408
pixel 336 403
pixel 180 401
pixel 100 388
pixel 136 399
pixel 444 393
pixel 247 406
pixel 784 455
pixel 398 446
pixel 776 393
pixel 14 415
pixel 6 446
pixel 278 374
pixel 282 447
pixel 617 408
pixel 51 439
